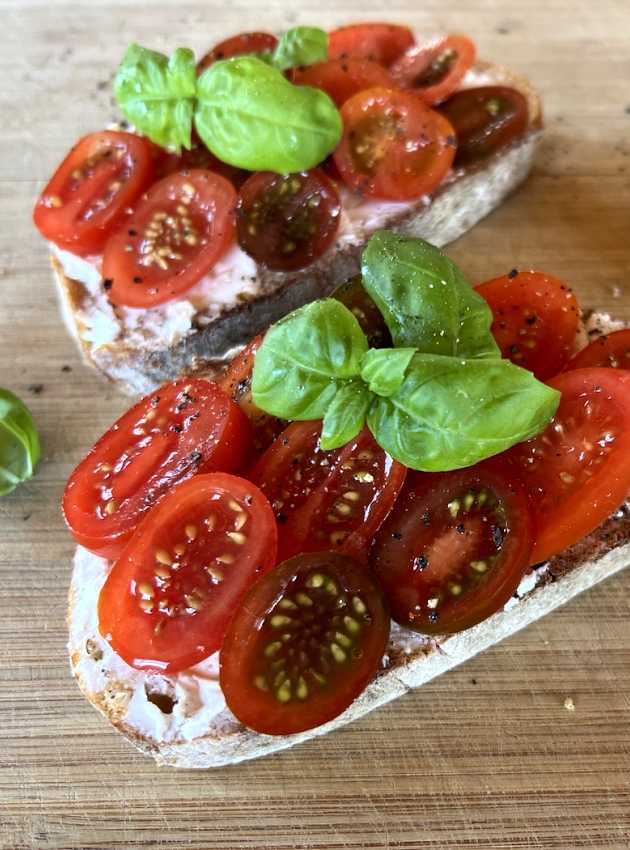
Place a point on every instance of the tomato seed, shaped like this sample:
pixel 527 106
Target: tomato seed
pixel 162 557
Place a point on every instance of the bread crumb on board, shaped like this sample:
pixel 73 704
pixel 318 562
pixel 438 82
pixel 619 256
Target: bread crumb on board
pixel 569 704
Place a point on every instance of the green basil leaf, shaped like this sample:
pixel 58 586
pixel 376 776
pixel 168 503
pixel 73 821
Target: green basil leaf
pixel 19 442
pixel 424 298
pixel 157 94
pixel 383 369
pixel 305 358
pixel 301 46
pixel 450 413
pixel 345 416
pixel 250 116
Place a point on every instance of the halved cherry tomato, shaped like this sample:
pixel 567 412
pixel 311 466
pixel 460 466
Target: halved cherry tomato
pixel 355 297
pixel 454 548
pixel 577 471
pixel 536 318
pixel 434 70
pixel 238 45
pixel 485 120
pixel 88 195
pixel 286 222
pixel 199 157
pixel 169 598
pixel 306 642
pixel 327 500
pixel 341 78
pixel 184 428
pixel 381 43
pixel 393 146
pixel 178 231
pixel 612 350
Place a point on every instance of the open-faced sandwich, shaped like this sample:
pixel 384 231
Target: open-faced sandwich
pixel 247 185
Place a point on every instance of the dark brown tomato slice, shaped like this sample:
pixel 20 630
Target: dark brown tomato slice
pixel 286 222
pixel 393 146
pixel 611 350
pixel 179 229
pixel 454 548
pixel 238 45
pixel 308 639
pixel 342 78
pixel 485 120
pixel 536 318
pixel 377 42
pixel 355 297
pixel 181 429
pixel 434 70
pixel 327 499
pixel 91 191
pixel 167 602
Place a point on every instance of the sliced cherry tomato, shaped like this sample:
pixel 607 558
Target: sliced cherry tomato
pixel 181 429
pixel 536 318
pixel 341 78
pixel 199 157
pixel 238 45
pixel 393 146
pixel 578 470
pixel 355 297
pixel 327 500
pixel 178 231
pixel 454 548
pixel 612 350
pixel 381 43
pixel 434 70
pixel 90 192
pixel 286 222
pixel 305 643
pixel 168 600
pixel 485 120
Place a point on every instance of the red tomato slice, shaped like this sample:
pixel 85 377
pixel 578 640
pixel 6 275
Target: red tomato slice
pixel 286 222
pixel 178 231
pixel 381 43
pixel 238 45
pixel 536 318
pixel 611 350
pixel 342 78
pixel 168 600
pixel 198 157
pixel 327 500
pixel 393 146
pixel 434 70
pixel 454 548
pixel 184 428
pixel 578 470
pixel 306 642
pixel 88 195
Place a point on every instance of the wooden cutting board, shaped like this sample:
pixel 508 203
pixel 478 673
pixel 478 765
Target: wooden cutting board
pixel 489 756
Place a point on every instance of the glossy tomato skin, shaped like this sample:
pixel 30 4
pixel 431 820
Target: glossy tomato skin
pixel 179 229
pixel 378 42
pixel 198 157
pixel 611 350
pixel 182 429
pixel 168 599
pixel 454 549
pixel 90 192
pixel 342 78
pixel 355 297
pixel 434 70
pixel 536 319
pixel 238 45
pixel 577 472
pixel 393 146
pixel 306 642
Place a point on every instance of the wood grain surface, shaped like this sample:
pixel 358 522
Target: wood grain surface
pixel 485 757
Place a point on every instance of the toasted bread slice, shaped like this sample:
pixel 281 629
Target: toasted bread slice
pixel 140 349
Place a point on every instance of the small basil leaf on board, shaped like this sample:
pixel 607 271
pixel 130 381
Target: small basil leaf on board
pixel 250 116
pixel 383 369
pixel 424 298
pixel 345 416
pixel 451 413
pixel 301 46
pixel 305 358
pixel 157 94
pixel 19 442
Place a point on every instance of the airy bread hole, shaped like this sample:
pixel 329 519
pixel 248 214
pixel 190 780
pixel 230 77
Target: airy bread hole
pixel 165 702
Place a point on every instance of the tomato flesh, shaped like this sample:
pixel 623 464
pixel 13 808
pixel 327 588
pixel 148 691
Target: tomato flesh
pixel 167 601
pixel 181 429
pixel 198 157
pixel 306 642
pixel 342 78
pixel 89 194
pixel 454 548
pixel 238 45
pixel 536 319
pixel 433 71
pixel 611 350
pixel 382 43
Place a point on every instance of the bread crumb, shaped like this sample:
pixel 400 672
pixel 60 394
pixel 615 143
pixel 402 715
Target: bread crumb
pixel 569 704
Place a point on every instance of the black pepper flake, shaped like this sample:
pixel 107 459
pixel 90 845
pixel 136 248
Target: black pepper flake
pixel 137 279
pixel 107 284
pixel 36 389
pixel 195 457
pixel 426 519
pixel 124 125
pixel 498 535
pixel 155 401
pixel 285 441
pixel 132 232
pixel 512 274
pixel 194 417
pixel 514 349
pixel 397 535
pixel 249 500
pixel 282 518
pixel 178 429
pixel 433 616
pixel 420 563
pixel 531 320
pixel 451 141
pixel 461 528
pixel 66 368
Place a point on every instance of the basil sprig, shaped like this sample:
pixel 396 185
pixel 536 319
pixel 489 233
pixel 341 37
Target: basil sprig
pixel 438 401
pixel 19 442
